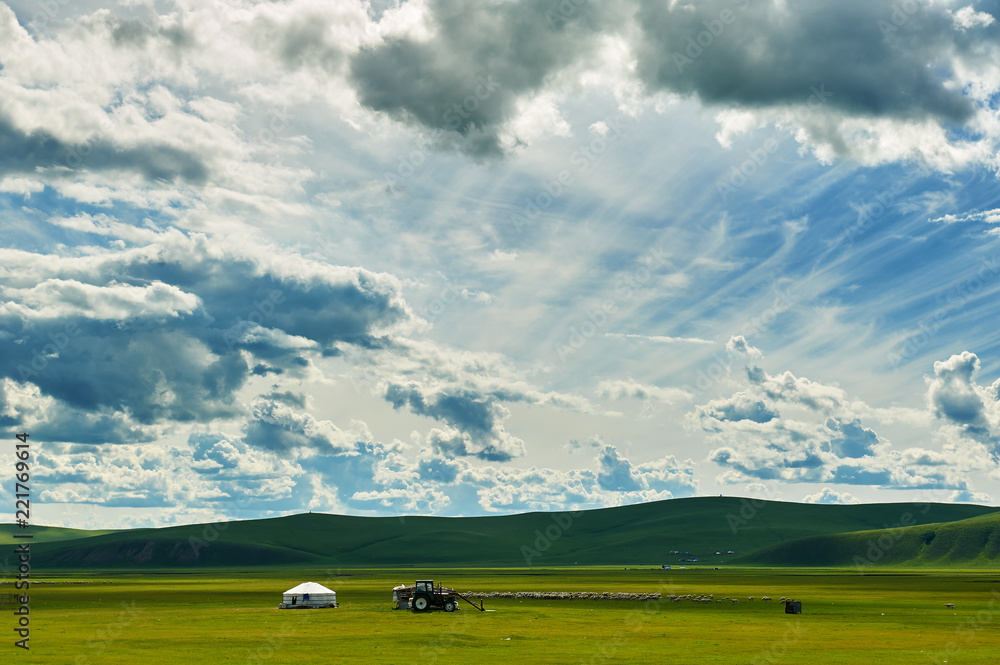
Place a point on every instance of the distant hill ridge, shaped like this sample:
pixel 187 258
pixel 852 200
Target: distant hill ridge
pixel 758 532
pixel 972 542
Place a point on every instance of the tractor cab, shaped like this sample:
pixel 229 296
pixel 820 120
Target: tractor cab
pixel 424 586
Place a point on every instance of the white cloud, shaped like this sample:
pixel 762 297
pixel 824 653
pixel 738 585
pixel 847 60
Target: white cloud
pixel 827 495
pixel 967 17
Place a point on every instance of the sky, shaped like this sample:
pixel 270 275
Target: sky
pixel 467 257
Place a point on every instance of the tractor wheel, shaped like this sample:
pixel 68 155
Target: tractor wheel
pixel 421 603
pixel 449 606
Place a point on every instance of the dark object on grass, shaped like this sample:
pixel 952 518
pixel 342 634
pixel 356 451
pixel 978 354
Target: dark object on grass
pixel 793 607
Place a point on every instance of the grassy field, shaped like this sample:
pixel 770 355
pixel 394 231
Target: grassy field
pixel 893 617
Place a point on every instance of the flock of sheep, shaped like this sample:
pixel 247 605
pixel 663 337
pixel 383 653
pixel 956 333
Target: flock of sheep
pixel 710 597
pixel 564 595
pixel 606 595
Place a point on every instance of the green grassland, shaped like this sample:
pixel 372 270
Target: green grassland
pixel 192 593
pixel 894 617
pixel 625 535
pixel 970 542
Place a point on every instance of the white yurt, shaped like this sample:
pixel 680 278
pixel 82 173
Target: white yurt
pixel 308 595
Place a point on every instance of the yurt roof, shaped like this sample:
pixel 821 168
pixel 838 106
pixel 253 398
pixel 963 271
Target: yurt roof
pixel 310 588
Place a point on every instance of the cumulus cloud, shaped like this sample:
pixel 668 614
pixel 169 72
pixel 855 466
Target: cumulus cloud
pixel 616 473
pixel 753 64
pixel 476 420
pixel 827 495
pixel 821 74
pixel 953 394
pixel 738 407
pixel 276 426
pixel 825 442
pixel 24 152
pixel 487 78
pixel 955 397
pixel 967 17
pixel 171 330
pixel 738 345
pixel 468 75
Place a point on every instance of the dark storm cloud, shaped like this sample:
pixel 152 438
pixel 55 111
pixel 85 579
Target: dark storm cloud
pixel 865 58
pixel 736 52
pixel 485 56
pixel 27 152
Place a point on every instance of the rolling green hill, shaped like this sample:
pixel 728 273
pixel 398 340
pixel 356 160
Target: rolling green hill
pixel 971 542
pixel 628 535
pixel 46 534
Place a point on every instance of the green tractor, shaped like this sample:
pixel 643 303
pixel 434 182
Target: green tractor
pixel 423 596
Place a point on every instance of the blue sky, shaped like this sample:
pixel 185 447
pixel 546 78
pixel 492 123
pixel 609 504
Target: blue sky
pixel 460 258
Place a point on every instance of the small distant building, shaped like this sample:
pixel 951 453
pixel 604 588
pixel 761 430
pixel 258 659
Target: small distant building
pixel 308 595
